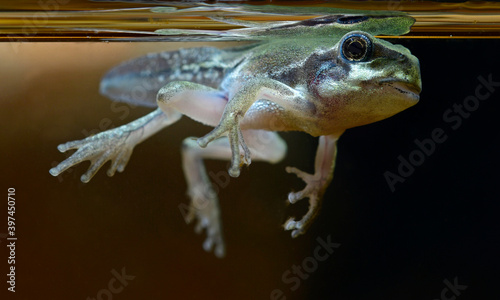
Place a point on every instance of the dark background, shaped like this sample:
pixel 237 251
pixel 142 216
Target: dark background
pixel 441 223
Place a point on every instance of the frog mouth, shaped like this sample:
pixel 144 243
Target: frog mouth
pixel 408 89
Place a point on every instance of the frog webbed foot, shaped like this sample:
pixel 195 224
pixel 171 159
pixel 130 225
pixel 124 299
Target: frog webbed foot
pixel 115 145
pixel 314 189
pixel 204 208
pixel 230 125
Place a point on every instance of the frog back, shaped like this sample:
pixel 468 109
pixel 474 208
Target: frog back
pixel 137 81
pixel 285 60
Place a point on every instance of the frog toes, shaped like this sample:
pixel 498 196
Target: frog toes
pixel 294 226
pixel 119 162
pixel 312 191
pixel 74 159
pixel 235 140
pixel 214 240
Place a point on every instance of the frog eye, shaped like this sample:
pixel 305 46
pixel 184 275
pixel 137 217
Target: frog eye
pixel 356 47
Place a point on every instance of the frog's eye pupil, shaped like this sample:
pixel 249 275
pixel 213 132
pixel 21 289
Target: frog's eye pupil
pixel 355 48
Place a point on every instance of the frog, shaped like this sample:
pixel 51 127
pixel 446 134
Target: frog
pixel 321 85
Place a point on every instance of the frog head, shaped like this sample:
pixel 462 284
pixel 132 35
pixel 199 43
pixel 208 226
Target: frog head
pixel 363 80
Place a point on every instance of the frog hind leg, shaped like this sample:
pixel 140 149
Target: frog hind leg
pixel 115 144
pixel 199 102
pixel 204 206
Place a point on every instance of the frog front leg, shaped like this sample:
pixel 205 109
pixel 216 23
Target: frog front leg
pixel 316 184
pixel 246 95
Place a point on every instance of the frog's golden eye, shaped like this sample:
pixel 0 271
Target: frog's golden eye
pixel 356 47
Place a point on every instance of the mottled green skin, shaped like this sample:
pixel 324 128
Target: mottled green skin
pixel 335 93
pixel 334 27
pixel 332 23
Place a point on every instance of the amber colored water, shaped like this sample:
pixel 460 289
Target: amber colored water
pixel 74 20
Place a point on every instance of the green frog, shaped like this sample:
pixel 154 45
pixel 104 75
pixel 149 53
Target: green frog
pixel 318 83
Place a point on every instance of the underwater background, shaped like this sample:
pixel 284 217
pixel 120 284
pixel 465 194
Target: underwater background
pixel 435 235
